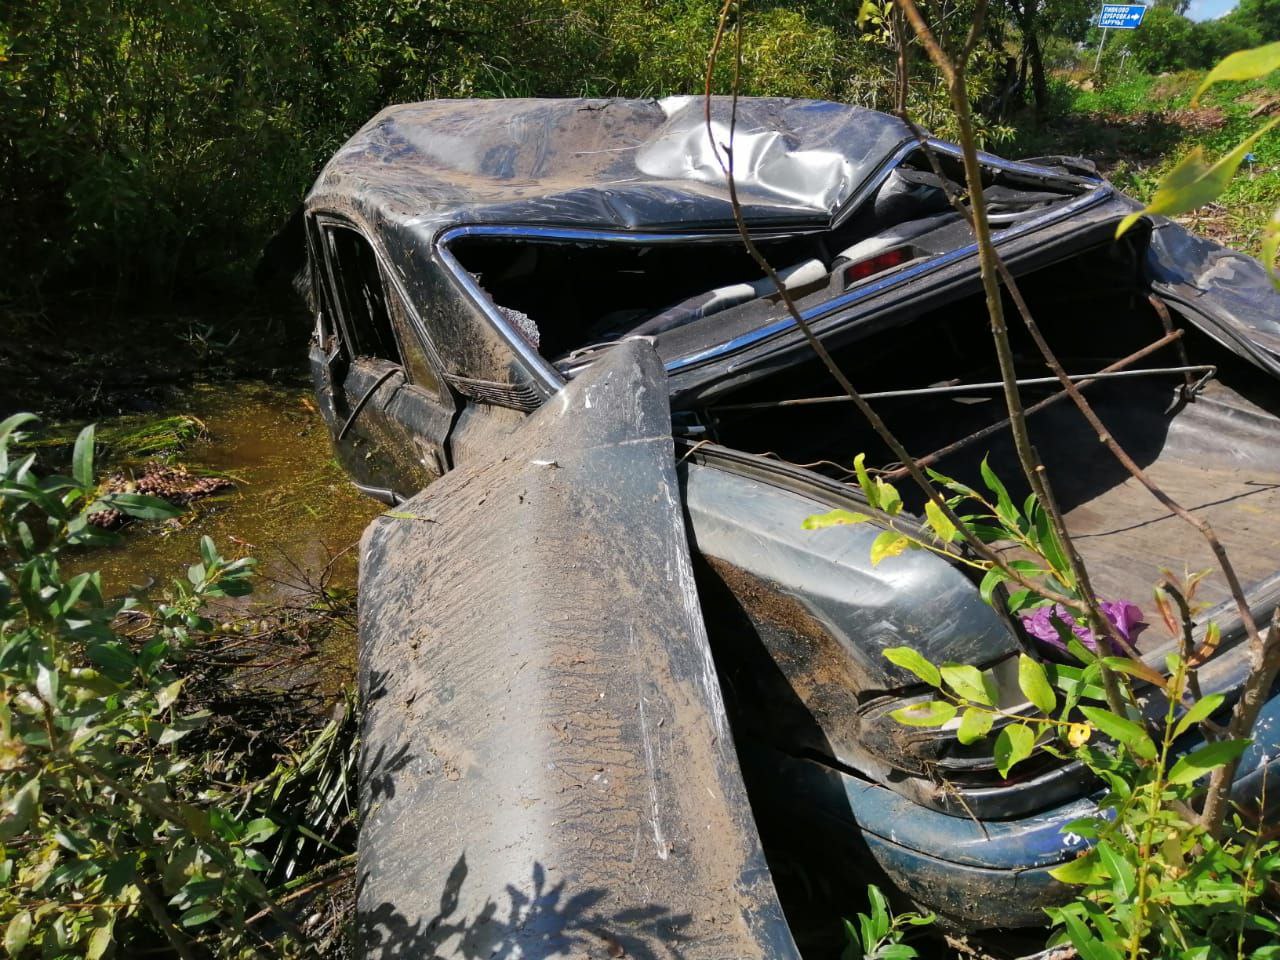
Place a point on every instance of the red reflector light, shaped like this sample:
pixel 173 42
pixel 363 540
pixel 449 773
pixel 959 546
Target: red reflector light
pixel 877 264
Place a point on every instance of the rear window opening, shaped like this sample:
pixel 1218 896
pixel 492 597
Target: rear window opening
pixel 568 295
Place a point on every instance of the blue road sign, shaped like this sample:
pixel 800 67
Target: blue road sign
pixel 1121 16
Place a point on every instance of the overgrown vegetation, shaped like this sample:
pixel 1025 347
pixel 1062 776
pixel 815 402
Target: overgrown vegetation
pixel 150 151
pixel 143 803
pixel 1137 126
pixel 1158 878
pixel 1168 41
pixel 1168 869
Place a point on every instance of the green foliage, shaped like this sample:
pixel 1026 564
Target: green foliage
pixel 879 934
pixel 110 824
pixel 1194 182
pixel 1168 41
pixel 1153 877
pixel 1149 869
pixel 152 148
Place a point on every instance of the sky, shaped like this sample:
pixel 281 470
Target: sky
pixel 1209 9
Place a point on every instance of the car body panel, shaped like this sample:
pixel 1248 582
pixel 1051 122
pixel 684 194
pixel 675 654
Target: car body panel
pixel 1232 294
pixel 546 759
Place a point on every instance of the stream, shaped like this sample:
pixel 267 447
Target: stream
pixel 292 508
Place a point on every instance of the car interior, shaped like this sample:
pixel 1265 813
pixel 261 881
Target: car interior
pixel 569 296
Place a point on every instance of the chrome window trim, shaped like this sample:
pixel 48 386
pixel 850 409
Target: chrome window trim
pixel 545 376
pixel 938 262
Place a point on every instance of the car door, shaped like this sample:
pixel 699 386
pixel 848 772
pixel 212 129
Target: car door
pixel 388 410
pixel 546 763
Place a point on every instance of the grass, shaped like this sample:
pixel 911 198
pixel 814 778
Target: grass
pixel 130 439
pixel 1136 127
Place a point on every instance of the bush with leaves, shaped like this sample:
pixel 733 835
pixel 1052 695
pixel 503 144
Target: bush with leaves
pixel 1194 181
pixel 112 834
pixel 1154 877
pixel 880 933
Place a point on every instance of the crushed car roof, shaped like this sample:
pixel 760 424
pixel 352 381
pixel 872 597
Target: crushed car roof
pixel 611 164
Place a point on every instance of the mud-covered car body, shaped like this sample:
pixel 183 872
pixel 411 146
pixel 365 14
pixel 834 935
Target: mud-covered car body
pixel 618 700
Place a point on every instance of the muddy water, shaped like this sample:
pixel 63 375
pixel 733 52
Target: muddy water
pixel 292 507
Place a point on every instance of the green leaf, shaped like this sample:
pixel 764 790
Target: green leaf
pixel 1196 764
pixel 1200 710
pixel 140 506
pixel 1046 539
pixel 1194 181
pixel 950 483
pixel 992 579
pixel 1124 883
pixel 100 940
pixel 909 659
pixel 938 522
pixel 255 831
pixel 17 933
pixel 889 498
pixel 175 731
pixel 208 552
pixel 1087 945
pixel 200 913
pixel 82 458
pixel 1005 509
pixel 974 725
pixel 864 481
pixel 1122 730
pixel 853 942
pixel 1035 684
pixel 1074 646
pixel 880 921
pixel 9 424
pixel 935 713
pixel 1271 246
pixel 1243 65
pixel 890 543
pixel 1132 668
pixel 169 694
pixel 1013 745
pixel 969 683
pixel 112 657
pixel 833 518
pixel 1082 870
pixel 47 684
pixel 1021 599
pixel 19 810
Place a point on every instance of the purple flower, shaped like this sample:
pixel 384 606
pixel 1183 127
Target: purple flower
pixel 1125 617
pixel 1040 623
pixel 1043 623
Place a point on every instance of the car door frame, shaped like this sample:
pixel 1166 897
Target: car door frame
pixel 373 396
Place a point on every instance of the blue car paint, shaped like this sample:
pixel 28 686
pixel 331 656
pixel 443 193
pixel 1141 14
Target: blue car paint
pixel 944 859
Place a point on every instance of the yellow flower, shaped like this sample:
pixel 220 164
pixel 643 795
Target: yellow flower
pixel 1078 734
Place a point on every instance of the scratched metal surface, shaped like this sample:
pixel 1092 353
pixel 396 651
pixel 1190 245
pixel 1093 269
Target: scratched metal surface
pixel 546 761
pixel 627 164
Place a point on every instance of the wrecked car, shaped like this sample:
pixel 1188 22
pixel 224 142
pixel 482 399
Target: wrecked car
pixel 618 699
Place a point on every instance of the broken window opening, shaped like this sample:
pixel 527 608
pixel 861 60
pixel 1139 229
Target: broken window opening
pixel 362 304
pixel 565 295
